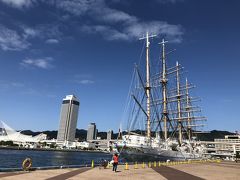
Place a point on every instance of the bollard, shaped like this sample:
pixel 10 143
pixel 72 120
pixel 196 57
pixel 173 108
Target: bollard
pixel 92 164
pixel 149 164
pixel 143 165
pixel 136 165
pixel 159 163
pixel 155 164
pixel 126 166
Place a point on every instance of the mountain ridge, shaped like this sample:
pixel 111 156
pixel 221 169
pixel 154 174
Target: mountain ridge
pixel 81 134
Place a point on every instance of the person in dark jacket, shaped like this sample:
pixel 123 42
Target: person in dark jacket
pixel 115 162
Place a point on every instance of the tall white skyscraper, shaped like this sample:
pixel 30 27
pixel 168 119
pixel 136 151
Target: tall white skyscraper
pixel 68 120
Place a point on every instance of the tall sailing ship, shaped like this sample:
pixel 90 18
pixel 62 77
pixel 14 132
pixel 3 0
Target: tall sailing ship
pixel 160 102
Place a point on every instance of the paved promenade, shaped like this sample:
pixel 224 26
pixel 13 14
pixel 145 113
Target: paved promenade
pixel 195 171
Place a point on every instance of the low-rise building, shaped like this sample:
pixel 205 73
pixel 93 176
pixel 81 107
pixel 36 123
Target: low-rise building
pixel 85 145
pixel 230 142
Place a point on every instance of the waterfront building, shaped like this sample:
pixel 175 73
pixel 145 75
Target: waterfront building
pixel 9 134
pixel 92 132
pixel 109 134
pixel 85 145
pixel 230 142
pixel 68 121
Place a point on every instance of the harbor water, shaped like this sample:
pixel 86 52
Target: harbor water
pixel 14 158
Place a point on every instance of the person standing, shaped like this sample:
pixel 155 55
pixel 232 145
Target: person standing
pixel 115 162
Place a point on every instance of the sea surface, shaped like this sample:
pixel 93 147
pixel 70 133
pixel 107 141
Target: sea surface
pixel 13 158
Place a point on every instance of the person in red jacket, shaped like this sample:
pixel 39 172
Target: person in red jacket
pixel 115 162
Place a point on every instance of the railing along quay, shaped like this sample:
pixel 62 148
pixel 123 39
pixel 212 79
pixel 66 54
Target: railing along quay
pixel 134 165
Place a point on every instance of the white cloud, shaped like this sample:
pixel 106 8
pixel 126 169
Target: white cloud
pixel 18 3
pixel 30 91
pixel 45 31
pixel 77 7
pixel 8 84
pixel 106 31
pixel 11 40
pixel 43 63
pixel 112 15
pixel 52 41
pixel 129 27
pixel 29 32
pixel 96 9
pixel 138 29
pixel 112 24
pixel 85 81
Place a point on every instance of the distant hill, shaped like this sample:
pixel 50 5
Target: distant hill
pixel 81 134
pixel 215 134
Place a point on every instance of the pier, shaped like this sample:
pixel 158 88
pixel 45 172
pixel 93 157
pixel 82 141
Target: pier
pixel 195 170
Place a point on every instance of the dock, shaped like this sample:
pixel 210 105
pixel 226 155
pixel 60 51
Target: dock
pixel 194 171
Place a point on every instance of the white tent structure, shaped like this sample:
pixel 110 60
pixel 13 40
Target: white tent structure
pixel 9 134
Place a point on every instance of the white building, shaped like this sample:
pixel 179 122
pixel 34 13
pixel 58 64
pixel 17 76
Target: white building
pixel 230 142
pixel 9 134
pixel 87 145
pixel 68 121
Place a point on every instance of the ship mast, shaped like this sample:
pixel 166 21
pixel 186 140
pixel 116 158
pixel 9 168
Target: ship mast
pixel 189 129
pixel 148 87
pixel 164 81
pixel 179 105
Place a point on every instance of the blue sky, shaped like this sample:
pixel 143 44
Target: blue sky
pixel 51 48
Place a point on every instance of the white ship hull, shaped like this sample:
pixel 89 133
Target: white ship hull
pixel 153 154
pixel 133 151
